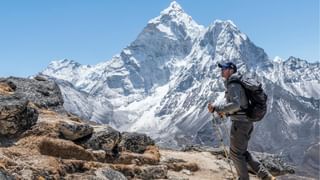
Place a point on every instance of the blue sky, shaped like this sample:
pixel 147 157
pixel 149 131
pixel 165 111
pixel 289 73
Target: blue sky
pixel 35 32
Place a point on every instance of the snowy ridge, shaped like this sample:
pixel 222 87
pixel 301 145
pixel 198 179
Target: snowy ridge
pixel 160 84
pixel 296 76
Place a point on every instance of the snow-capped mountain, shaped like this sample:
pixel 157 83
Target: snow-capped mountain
pixel 297 76
pixel 161 83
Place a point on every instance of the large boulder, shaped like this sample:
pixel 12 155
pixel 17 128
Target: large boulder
pixel 135 142
pixel 16 115
pixel 41 92
pixel 73 131
pixel 105 138
pixel 19 100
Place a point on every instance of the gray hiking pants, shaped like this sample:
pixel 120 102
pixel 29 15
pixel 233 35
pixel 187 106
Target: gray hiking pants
pixel 239 138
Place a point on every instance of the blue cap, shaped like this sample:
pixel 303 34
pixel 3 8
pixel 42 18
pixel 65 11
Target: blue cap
pixel 228 65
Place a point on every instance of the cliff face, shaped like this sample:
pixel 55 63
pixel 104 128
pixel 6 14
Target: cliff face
pixel 40 140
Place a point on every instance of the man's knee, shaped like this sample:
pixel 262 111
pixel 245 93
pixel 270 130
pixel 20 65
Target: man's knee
pixel 236 154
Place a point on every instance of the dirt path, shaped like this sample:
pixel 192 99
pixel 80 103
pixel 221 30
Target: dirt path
pixel 211 167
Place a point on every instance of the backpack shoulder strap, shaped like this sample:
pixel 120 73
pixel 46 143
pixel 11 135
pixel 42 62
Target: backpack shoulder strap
pixel 236 80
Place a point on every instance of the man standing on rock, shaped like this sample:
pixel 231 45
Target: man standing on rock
pixel 241 128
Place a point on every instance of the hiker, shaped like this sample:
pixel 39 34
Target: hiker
pixel 242 127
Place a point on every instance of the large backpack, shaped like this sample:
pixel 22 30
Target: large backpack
pixel 257 105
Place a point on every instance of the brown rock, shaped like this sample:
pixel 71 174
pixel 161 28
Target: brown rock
pixel 142 172
pixel 64 149
pixel 6 89
pixel 43 129
pixel 128 170
pixel 100 155
pixel 180 166
pixel 150 156
pixel 154 172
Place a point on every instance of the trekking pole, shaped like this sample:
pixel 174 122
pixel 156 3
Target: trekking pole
pixel 214 122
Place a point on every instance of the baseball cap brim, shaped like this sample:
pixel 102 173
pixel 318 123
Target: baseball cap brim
pixel 223 66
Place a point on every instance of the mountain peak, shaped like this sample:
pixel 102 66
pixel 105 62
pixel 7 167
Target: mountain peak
pixel 277 59
pixel 174 15
pixel 227 31
pixel 225 23
pixel 174 7
pixel 173 12
pixel 296 60
pixel 64 62
pixel 295 63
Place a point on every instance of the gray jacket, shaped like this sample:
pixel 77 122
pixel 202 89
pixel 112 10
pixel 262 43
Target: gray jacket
pixel 236 99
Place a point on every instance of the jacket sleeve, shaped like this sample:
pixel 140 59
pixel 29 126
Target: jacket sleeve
pixel 233 103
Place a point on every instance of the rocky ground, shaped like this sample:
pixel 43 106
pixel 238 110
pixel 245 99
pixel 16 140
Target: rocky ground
pixel 40 140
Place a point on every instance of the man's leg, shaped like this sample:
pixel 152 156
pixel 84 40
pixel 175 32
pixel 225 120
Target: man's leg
pixel 257 167
pixel 255 164
pixel 239 137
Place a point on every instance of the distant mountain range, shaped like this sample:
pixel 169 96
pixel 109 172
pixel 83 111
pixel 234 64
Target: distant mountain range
pixel 161 83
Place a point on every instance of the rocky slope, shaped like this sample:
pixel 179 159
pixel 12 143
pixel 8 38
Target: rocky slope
pixel 161 82
pixel 40 140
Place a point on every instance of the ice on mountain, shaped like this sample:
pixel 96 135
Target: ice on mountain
pixel 162 82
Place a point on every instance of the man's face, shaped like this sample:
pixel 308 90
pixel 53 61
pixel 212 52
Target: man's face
pixel 225 73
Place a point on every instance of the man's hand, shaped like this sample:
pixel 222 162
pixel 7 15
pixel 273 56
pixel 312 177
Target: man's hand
pixel 221 114
pixel 211 108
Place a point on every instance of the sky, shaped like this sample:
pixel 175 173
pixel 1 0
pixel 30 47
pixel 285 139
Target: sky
pixel 35 32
